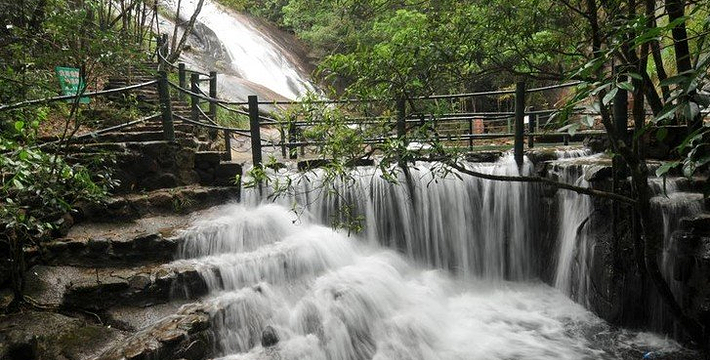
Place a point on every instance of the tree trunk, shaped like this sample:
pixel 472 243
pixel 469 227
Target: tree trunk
pixel 188 30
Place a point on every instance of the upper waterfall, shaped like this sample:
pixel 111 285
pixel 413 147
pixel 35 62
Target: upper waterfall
pixel 252 56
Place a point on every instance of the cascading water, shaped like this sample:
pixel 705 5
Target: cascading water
pixel 252 58
pixel 276 273
pixel 672 205
pixel 471 226
pixel 574 257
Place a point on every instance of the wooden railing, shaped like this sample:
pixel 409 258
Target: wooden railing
pixel 501 124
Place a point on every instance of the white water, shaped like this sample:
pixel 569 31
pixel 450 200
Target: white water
pixel 471 226
pixel 574 231
pixel 672 204
pixel 383 294
pixel 244 49
pixel 330 296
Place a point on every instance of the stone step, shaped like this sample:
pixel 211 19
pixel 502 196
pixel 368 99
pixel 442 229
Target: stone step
pixel 178 200
pixel 213 171
pixel 132 136
pixel 158 126
pixel 186 334
pixel 148 240
pixel 97 289
pixel 698 224
pixel 117 147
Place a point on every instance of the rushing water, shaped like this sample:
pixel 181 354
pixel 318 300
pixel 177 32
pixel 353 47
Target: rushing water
pixel 252 57
pixel 385 293
pixel 574 233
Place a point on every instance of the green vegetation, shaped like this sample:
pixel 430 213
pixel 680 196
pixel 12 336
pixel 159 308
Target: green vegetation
pixel 41 188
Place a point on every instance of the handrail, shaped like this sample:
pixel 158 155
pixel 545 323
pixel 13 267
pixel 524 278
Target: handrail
pixel 69 97
pixel 426 97
pixel 104 130
pixel 217 127
pixel 495 92
pixel 206 98
pixel 165 60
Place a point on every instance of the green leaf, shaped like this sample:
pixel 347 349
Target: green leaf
pixel 634 75
pixel 610 96
pixel 625 86
pixel 661 134
pixel 587 120
pixel 667 112
pixel 665 167
pixel 677 79
pixel 570 128
pixel 19 125
pixel 18 184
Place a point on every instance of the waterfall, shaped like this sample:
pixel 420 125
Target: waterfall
pixel 252 56
pixel 423 272
pixel 327 295
pixel 574 256
pixel 671 204
pixel 474 227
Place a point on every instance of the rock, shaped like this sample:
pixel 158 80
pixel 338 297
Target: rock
pixel 269 337
pixel 47 335
pixel 97 245
pixel 160 181
pixel 182 335
pixel 207 159
pixel 6 297
pixel 62 226
pixel 597 144
pixel 598 173
pixel 139 282
pixel 698 224
pixel 226 173
pixel 483 156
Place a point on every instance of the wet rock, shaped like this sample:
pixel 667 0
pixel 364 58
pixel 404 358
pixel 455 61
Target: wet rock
pixel 105 252
pixel 598 173
pixel 182 335
pixel 140 281
pixel 269 337
pixel 225 173
pixel 102 288
pixel 48 336
pixel 484 156
pixel 698 224
pixel 6 297
pixel 597 144
pixel 159 202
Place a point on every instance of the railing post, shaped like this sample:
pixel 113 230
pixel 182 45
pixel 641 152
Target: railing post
pixel 213 115
pixel 213 94
pixel 165 106
pixel 255 130
pixel 519 122
pixel 532 121
pixel 181 80
pixel 401 118
pixel 292 137
pixel 282 140
pixel 194 100
pixel 470 134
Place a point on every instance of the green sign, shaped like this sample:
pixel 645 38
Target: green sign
pixel 71 82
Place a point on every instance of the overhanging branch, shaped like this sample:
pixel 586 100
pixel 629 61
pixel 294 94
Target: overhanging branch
pixel 540 180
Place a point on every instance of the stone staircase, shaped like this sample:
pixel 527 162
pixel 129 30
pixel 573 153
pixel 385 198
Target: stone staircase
pixel 142 159
pixel 109 287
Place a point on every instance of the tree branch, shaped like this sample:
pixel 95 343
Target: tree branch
pixel 544 181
